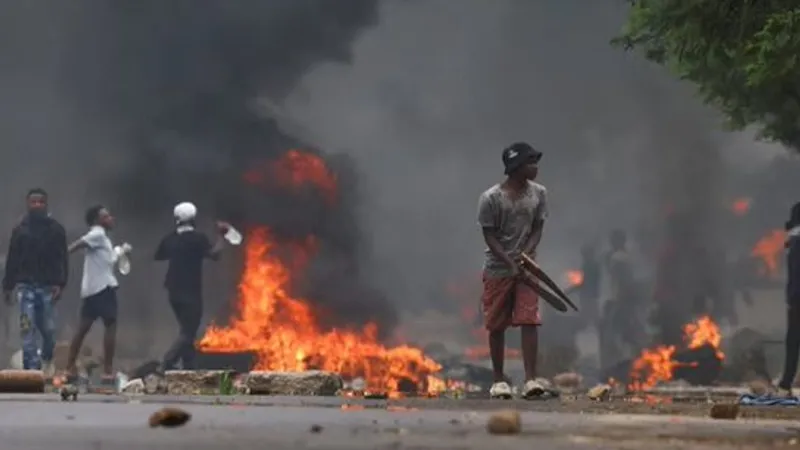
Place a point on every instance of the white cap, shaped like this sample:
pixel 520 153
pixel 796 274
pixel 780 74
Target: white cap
pixel 185 211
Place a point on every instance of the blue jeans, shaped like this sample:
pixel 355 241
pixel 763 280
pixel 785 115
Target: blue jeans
pixel 36 318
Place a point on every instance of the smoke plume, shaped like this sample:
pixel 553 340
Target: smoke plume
pixel 439 88
pixel 142 106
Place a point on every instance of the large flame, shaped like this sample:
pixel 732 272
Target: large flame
pixel 294 170
pixel 284 332
pixel 658 365
pixel 769 249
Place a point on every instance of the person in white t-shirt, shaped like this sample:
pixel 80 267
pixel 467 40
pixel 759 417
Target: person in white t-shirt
pixel 98 286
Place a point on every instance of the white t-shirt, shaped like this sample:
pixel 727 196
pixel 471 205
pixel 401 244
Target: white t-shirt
pixel 98 263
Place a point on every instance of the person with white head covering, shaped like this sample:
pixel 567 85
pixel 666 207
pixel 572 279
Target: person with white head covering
pixel 185 248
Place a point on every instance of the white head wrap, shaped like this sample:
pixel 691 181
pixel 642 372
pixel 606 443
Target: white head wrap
pixel 185 211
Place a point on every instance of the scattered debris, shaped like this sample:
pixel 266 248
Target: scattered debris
pixel 315 428
pixel 358 384
pixel 729 411
pixel 760 387
pixel 169 417
pixel 154 384
pixel 226 384
pixel 240 386
pixel 69 391
pixel 22 381
pixel 600 393
pixel 376 395
pixel 133 387
pixel 568 382
pixel 504 422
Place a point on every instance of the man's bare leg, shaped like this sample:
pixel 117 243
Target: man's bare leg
pixel 109 344
pixel 497 347
pixel 530 350
pixel 75 346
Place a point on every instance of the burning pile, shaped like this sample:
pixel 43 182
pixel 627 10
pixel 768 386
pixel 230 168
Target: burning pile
pixel 284 331
pixel 659 364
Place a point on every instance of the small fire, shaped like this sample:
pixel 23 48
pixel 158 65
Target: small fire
pixel 741 206
pixel 294 170
pixel 574 277
pixel 652 366
pixel 438 386
pixel 704 332
pixel 769 249
pixel 657 365
pixel 283 330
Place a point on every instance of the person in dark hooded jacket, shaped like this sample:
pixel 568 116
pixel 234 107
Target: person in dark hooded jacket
pixel 793 301
pixel 36 269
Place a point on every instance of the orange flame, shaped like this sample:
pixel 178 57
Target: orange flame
pixel 769 248
pixel 652 366
pixel 284 333
pixel 575 277
pixel 704 332
pixel 294 170
pixel 657 365
pixel 741 206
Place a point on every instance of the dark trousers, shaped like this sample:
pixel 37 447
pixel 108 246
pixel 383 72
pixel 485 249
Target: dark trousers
pixel 792 345
pixel 188 309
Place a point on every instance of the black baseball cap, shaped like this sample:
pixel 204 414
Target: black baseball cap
pixel 518 154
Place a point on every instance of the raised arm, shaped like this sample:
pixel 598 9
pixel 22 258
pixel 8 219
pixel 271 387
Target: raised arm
pixel 212 252
pixel 80 244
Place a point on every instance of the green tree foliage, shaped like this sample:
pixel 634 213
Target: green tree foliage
pixel 742 55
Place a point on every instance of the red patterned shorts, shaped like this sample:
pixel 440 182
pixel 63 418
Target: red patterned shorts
pixel 507 302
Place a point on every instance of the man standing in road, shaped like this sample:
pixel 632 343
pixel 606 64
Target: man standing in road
pixel 185 248
pixel 36 267
pixel 792 302
pixel 511 215
pixel 98 287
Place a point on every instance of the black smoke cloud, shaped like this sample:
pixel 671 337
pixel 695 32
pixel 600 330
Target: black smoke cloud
pixel 145 104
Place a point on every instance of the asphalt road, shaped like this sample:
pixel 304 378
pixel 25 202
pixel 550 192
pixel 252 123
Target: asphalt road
pixel 93 424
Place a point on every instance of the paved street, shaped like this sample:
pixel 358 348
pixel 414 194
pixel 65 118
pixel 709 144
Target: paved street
pixel 92 424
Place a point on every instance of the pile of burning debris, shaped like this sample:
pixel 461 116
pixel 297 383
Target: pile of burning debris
pixel 281 334
pixel 274 331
